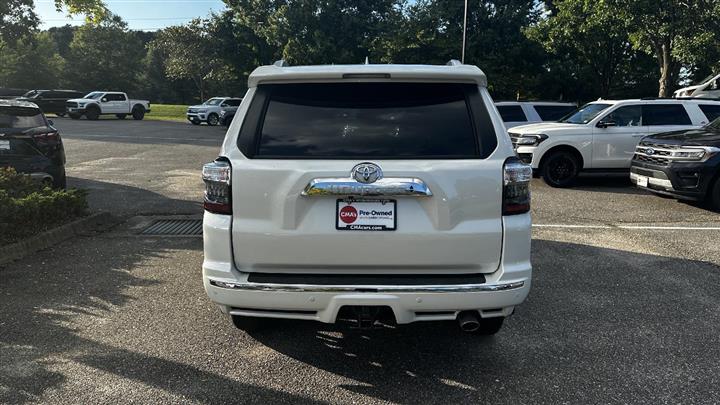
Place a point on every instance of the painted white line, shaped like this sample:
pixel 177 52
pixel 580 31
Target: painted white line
pixel 633 227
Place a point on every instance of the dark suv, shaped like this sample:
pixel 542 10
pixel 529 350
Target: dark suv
pixel 682 164
pixel 51 101
pixel 30 144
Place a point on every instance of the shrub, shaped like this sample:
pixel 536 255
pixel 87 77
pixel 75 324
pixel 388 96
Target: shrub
pixel 28 207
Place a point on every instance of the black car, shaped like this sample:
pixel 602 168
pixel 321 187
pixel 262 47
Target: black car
pixel 51 101
pixel 681 164
pixel 30 144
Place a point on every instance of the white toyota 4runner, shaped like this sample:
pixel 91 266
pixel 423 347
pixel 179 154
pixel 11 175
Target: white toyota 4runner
pixel 370 193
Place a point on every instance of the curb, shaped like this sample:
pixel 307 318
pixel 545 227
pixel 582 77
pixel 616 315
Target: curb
pixel 95 222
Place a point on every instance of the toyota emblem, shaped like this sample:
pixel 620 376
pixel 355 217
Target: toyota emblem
pixel 366 173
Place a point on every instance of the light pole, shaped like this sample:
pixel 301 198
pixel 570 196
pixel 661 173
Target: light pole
pixel 462 59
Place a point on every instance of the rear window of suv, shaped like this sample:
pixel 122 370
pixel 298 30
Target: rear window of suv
pixel 367 120
pixel 21 117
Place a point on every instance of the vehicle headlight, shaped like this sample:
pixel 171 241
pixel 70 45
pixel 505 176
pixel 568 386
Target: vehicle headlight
pixel 695 154
pixel 81 105
pixel 529 140
pixel 202 111
pixel 689 155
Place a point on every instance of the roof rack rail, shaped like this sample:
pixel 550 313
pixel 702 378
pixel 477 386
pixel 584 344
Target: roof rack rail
pixel 681 98
pixel 454 62
pixel 281 63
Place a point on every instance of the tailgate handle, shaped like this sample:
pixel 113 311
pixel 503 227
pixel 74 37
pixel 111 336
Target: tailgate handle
pixel 387 186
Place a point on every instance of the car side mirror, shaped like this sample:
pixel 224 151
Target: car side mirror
pixel 224 105
pixel 104 100
pixel 605 124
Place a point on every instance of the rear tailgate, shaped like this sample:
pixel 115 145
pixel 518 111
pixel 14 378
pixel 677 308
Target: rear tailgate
pixel 437 134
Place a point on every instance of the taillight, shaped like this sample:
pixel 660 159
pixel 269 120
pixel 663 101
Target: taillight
pixel 216 176
pixel 516 187
pixel 46 138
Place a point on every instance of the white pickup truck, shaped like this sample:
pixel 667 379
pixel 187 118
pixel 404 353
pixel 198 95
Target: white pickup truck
pixel 98 103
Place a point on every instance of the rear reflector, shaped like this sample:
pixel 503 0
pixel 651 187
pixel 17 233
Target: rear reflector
pixel 516 186
pixel 216 176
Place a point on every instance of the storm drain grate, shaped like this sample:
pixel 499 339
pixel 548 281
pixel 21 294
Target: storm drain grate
pixel 179 227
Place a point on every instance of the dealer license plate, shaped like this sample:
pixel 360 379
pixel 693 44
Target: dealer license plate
pixel 642 181
pixel 366 215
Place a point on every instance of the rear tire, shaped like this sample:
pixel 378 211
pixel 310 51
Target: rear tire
pixel 121 116
pixel 489 326
pixel 92 113
pixel 213 119
pixel 560 169
pixel 714 195
pixel 248 323
pixel 138 113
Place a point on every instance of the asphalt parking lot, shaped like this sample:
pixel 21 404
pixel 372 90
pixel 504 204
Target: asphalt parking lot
pixel 624 306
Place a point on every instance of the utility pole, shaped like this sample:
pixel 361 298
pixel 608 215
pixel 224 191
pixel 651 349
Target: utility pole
pixel 462 59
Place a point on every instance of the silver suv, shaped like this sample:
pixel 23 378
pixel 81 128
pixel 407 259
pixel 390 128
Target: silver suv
pixel 369 194
pixel 210 110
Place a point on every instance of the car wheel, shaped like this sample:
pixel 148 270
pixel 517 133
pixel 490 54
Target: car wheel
pixel 213 119
pixel 92 113
pixel 121 116
pixel 714 197
pixel 138 113
pixel 248 323
pixel 489 326
pixel 560 169
pixel 74 116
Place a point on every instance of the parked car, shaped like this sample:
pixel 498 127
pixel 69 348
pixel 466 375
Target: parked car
pixel 227 115
pixel 601 136
pixel 98 103
pixel 209 111
pixel 681 164
pixel 709 87
pixel 51 101
pixel 7 93
pixel 359 199
pixel 516 113
pixel 30 144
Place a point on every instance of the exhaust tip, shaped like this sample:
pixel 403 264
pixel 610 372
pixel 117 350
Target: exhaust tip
pixel 469 321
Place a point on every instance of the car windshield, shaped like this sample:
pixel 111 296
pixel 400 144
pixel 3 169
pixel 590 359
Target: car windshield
pixel 715 125
pixel 213 101
pixel 94 95
pixel 703 81
pixel 21 118
pixel 585 114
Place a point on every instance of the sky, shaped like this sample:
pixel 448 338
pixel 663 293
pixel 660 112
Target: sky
pixel 147 15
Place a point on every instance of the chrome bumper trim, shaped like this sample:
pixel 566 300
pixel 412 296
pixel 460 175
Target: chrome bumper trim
pixel 460 288
pixel 666 184
pixel 389 186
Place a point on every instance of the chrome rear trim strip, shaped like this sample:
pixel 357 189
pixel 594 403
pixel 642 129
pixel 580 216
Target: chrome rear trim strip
pixel 388 186
pixel 368 288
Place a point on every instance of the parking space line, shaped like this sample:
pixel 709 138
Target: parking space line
pixel 631 227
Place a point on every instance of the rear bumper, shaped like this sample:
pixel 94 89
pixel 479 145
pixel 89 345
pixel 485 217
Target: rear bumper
pixel 504 289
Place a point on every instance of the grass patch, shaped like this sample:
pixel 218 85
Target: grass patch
pixel 28 207
pixel 167 112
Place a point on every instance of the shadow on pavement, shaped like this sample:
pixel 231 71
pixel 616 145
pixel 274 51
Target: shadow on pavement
pixel 597 320
pixel 45 301
pixel 119 199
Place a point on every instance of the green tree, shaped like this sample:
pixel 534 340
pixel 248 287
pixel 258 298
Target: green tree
pixel 670 30
pixel 105 57
pixel 320 31
pixel 18 17
pixel 590 52
pixel 32 63
pixel 190 54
